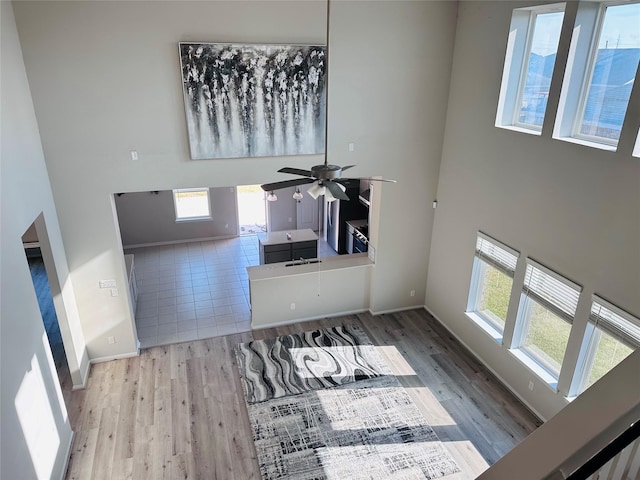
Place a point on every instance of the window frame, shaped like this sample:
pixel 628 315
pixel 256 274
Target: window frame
pixel 527 298
pixel 516 64
pixel 199 218
pixel 534 13
pixel 524 321
pixel 587 78
pixel 583 50
pixel 481 262
pixel 591 342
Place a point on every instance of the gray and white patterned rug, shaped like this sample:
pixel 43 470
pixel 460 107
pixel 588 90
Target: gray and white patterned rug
pixel 366 427
pixel 298 363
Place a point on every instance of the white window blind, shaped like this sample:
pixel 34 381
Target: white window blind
pixel 551 290
pixel 496 254
pixel 616 322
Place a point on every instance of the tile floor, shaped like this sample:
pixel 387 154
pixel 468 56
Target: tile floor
pixel 196 290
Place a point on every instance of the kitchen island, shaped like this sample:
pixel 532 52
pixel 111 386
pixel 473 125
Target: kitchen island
pixel 286 246
pixel 289 292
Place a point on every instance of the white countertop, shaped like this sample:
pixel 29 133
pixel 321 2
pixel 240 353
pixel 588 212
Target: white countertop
pixel 273 270
pixel 277 238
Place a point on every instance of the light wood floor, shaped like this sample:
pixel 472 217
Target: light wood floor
pixel 177 412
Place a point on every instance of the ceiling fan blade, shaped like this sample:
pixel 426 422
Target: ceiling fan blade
pixel 347 167
pixel 296 171
pixel 336 191
pixel 267 187
pixel 380 180
pixel 368 178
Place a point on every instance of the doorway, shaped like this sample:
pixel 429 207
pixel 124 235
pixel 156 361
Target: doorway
pixel 307 210
pixel 252 216
pixel 40 278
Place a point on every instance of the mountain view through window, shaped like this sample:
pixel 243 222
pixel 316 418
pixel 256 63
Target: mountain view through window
pixel 544 45
pixel 613 72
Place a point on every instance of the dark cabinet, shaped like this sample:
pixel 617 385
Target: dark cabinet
pixel 275 253
pixel 286 252
pixel 304 250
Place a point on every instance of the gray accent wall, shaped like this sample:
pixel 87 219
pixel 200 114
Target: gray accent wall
pixel 102 78
pixel 99 95
pixel 36 433
pixel 149 218
pixel 282 213
pixel 574 208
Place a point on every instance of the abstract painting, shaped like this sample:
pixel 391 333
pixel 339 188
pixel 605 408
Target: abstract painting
pixel 254 100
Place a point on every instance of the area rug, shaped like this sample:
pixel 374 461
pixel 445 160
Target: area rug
pixel 366 427
pixel 298 363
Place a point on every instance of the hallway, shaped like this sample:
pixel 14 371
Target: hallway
pixel 50 320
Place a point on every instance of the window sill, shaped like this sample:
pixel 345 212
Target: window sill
pixel 194 219
pixel 515 128
pixel 587 143
pixel 486 326
pixel 535 367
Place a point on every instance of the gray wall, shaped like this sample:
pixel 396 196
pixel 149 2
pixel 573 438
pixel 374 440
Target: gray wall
pixel 390 63
pixel 282 213
pixel 574 208
pixel 103 108
pixel 36 434
pixel 571 207
pixel 148 218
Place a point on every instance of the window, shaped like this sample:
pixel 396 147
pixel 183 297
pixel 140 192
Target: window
pixel 529 63
pixel 613 69
pixel 547 307
pixel 612 334
pixel 601 69
pixel 192 204
pixel 491 281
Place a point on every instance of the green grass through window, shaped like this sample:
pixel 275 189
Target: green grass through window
pixel 494 294
pixel 610 352
pixel 548 334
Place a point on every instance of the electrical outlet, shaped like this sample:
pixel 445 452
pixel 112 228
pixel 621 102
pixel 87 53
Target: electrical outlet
pixel 111 340
pixel 107 283
pixel 290 219
pixel 352 147
pixel 226 225
pixel 134 155
pixel 293 306
pixel 412 293
pixel 531 385
pixel 114 292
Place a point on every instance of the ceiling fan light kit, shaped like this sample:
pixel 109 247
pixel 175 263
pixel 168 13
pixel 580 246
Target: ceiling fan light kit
pixel 325 178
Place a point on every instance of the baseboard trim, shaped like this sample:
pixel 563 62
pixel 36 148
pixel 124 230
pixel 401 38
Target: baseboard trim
pixel 84 374
pixel 306 319
pixel 120 356
pixel 395 310
pixel 493 372
pixel 172 242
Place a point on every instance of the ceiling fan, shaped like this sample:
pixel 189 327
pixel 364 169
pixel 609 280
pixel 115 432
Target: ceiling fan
pixel 326 178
